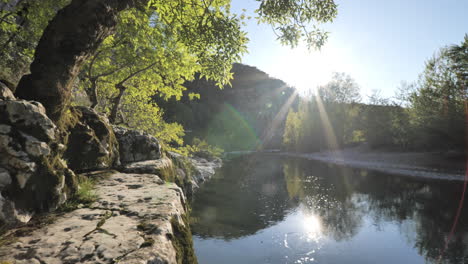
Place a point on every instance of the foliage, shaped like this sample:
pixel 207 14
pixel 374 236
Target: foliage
pixel 438 106
pixel 155 49
pixel 21 25
pixel 291 19
pixel 341 89
pixel 247 115
pixel 200 148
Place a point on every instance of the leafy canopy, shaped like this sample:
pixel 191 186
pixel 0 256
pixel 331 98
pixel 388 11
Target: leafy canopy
pixel 154 52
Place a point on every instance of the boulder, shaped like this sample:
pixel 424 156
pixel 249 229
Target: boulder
pixel 91 143
pixel 136 145
pixel 32 175
pixel 162 167
pixel 204 168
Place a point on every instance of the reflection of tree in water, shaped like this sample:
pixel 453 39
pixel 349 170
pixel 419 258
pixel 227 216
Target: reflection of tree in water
pixel 254 192
pixel 246 196
pixel 352 193
pixel 333 203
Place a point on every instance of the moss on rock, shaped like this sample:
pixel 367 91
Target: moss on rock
pixel 182 241
pixel 91 143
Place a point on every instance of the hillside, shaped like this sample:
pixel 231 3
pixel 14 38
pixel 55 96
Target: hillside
pixel 237 117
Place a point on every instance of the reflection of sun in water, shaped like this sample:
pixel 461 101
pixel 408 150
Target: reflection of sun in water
pixel 312 227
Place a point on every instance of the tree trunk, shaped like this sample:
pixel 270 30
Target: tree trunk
pixel 71 37
pixel 92 93
pixel 116 103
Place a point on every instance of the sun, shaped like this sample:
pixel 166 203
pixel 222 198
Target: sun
pixel 305 69
pixel 312 227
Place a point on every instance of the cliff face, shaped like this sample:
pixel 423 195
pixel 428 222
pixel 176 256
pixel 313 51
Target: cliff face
pixel 140 215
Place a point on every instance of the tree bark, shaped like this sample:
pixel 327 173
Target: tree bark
pixel 92 93
pixel 116 103
pixel 71 37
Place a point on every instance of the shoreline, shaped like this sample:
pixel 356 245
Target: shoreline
pixel 430 165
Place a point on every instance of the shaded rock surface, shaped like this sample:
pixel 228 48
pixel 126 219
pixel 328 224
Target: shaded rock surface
pixel 91 143
pixel 32 175
pixel 136 145
pixel 132 222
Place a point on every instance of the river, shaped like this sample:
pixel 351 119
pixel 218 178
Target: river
pixel 264 208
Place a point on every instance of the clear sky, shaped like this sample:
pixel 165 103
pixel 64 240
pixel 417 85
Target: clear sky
pixel 378 42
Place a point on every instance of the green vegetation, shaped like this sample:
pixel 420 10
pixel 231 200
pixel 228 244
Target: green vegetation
pixel 182 241
pixel 84 196
pixel 245 116
pixel 145 49
pixel 428 115
pixel 201 148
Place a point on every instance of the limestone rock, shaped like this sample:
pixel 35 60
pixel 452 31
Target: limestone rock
pixel 31 178
pixel 193 171
pixel 5 93
pixel 28 117
pixel 160 167
pixel 132 222
pixel 91 143
pixel 5 178
pixel 136 145
pixel 204 168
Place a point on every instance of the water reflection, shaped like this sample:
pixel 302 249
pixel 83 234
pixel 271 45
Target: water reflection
pixel 270 209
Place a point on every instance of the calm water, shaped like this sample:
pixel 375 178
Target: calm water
pixel 271 209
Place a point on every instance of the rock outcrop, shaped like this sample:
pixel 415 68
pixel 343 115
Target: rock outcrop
pixel 32 174
pixel 136 145
pixel 140 216
pixel 138 219
pixel 193 171
pixel 91 143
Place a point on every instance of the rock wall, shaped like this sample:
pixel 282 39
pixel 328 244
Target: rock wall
pixel 32 173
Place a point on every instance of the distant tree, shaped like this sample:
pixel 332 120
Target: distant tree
pixel 403 93
pixel 341 89
pixel 339 97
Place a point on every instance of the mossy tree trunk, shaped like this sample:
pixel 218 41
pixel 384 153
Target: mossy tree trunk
pixel 71 37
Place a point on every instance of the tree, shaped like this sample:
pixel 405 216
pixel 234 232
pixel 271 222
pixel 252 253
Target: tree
pixel 214 39
pixel 339 97
pixel 71 37
pixel 438 105
pixel 341 89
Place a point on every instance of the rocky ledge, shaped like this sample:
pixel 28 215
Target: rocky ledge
pixel 140 215
pixel 138 218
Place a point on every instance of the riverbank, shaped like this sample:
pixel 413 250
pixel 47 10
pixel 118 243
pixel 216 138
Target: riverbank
pixel 137 217
pixel 433 165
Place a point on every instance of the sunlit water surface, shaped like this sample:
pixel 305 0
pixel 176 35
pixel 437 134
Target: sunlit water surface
pixel 274 209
